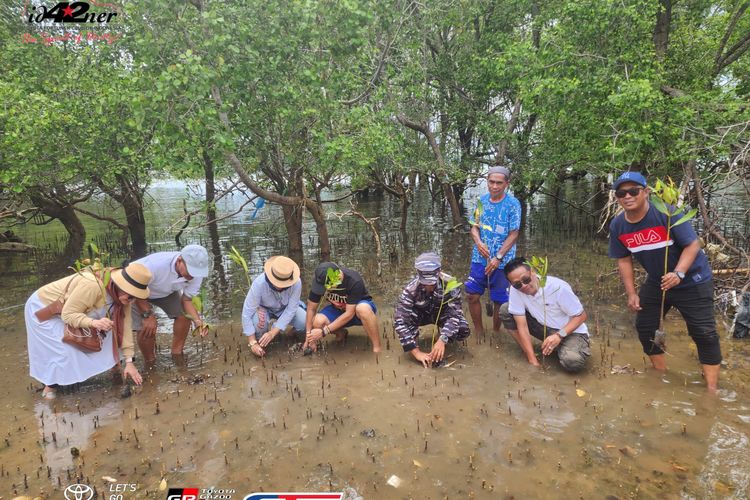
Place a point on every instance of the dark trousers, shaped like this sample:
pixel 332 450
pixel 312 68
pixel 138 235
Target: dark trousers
pixel 695 303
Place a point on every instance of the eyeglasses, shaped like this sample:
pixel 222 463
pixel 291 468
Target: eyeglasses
pixel 621 193
pixel 524 281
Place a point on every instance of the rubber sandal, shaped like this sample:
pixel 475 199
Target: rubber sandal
pixel 51 394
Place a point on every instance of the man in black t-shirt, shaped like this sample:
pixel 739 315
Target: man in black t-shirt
pixel 349 305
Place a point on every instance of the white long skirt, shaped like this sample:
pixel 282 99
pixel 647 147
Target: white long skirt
pixel 51 361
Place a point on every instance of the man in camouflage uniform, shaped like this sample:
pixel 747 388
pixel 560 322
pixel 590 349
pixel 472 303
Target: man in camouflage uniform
pixel 420 304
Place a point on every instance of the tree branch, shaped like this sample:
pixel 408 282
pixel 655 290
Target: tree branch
pixel 734 53
pixel 502 148
pixel 240 169
pixel 730 29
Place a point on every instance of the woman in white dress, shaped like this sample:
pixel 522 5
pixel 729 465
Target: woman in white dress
pixel 87 303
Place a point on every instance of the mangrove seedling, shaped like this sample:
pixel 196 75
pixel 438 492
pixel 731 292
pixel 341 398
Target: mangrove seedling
pixel 665 197
pixel 238 259
pixel 477 222
pixel 94 265
pixel 448 286
pixel 199 301
pixel 540 266
pixel 334 278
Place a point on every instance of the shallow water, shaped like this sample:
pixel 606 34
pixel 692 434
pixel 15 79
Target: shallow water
pixel 487 425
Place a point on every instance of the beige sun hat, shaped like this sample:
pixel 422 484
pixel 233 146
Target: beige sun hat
pixel 281 271
pixel 133 280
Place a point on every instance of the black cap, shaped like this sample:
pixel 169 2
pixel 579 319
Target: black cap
pixel 319 277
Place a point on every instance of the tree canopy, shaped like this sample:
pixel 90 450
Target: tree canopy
pixel 293 98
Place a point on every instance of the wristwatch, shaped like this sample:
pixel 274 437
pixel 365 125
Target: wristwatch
pixel 562 333
pixel 499 255
pixel 444 339
pixel 147 314
pixel 680 275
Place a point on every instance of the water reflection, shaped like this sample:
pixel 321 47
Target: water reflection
pixel 64 435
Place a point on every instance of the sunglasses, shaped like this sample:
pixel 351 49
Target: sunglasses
pixel 621 193
pixel 524 281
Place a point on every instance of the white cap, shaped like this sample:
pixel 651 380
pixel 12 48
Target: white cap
pixel 196 260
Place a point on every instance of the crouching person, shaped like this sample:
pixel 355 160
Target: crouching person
pixel 423 299
pixel 274 295
pixel 524 316
pixel 177 279
pixel 349 305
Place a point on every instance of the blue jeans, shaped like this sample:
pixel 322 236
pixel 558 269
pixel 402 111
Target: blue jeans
pixel 297 323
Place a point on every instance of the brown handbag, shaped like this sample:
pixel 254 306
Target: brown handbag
pixel 84 339
pixel 53 309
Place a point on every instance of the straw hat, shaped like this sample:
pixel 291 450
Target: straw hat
pixel 281 271
pixel 133 280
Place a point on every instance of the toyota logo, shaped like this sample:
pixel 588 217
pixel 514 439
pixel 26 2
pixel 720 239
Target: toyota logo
pixel 79 492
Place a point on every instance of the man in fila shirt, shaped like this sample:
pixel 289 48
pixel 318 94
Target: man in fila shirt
pixel 641 232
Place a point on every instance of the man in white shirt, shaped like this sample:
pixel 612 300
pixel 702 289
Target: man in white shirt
pixel 177 279
pixel 525 314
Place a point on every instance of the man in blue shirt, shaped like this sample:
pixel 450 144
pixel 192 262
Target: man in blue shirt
pixel 495 225
pixel 641 231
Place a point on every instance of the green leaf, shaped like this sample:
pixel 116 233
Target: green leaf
pixel 238 259
pixel 197 302
pixel 540 266
pixel 333 278
pixel 685 217
pixel 451 285
pixel 659 204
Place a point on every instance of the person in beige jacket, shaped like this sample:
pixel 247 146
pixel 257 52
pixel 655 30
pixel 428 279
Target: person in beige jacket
pixel 87 303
